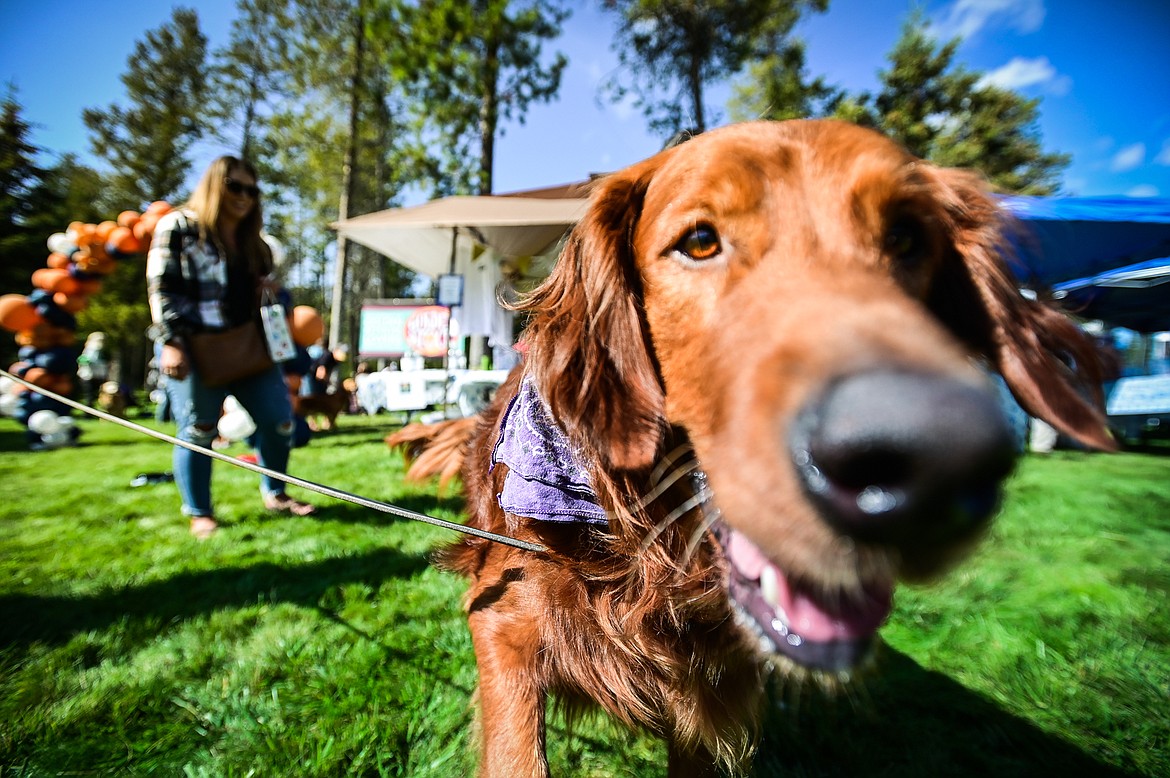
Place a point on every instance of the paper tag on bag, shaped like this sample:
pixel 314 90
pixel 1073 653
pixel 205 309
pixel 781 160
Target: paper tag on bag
pixel 276 333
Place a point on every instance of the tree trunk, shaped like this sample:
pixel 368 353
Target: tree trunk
pixel 489 116
pixel 336 315
pixel 696 85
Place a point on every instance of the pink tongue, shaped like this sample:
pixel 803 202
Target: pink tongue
pixel 807 617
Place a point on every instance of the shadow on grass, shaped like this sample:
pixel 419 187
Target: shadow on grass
pixel 13 438
pixel 910 723
pixel 426 504
pixel 51 619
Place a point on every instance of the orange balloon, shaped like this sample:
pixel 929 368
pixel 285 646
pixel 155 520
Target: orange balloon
pixel 123 241
pixel 85 235
pixel 158 206
pixel 55 280
pixel 37 376
pixel 90 286
pixel 89 262
pixel 62 384
pixel 17 313
pixel 57 261
pixel 106 265
pixel 72 303
pixel 128 218
pixel 306 325
pixel 60 336
pixel 104 229
pixel 144 227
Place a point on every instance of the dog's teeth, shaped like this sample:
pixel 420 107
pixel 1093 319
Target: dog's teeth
pixel 770 589
pixel 770 586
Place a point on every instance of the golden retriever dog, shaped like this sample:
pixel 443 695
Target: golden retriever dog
pixel 755 398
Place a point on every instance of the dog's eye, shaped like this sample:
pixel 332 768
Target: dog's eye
pixel 906 240
pixel 702 242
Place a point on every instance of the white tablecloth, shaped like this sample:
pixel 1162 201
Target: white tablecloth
pixel 417 390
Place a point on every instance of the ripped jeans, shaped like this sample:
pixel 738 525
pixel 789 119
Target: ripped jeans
pixel 196 409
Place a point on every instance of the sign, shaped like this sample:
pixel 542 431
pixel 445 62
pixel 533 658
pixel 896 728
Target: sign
pixel 450 291
pixel 392 331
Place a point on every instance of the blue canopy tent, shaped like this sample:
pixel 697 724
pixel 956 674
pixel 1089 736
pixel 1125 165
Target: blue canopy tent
pixel 1135 296
pixel 1105 258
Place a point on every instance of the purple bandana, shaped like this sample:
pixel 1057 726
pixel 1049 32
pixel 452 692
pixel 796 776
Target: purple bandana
pixel 546 480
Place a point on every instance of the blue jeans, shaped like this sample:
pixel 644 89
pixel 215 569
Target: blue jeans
pixel 196 409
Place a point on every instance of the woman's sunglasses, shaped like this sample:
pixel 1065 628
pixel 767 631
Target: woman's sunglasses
pixel 238 188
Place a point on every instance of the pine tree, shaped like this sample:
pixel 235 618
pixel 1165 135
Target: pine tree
pixel 778 87
pixel 670 51
pixel 470 67
pixel 21 250
pixel 250 73
pixel 950 115
pixel 147 142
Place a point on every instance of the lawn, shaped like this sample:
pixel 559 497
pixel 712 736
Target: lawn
pixel 330 646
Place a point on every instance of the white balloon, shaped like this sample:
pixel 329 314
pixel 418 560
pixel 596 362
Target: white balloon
pixel 58 242
pixel 236 425
pixel 56 439
pixel 230 403
pixel 44 423
pixel 67 423
pixel 8 403
pixel 6 384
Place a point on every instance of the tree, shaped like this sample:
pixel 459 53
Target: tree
pixel 147 142
pixel 953 116
pixel 777 87
pixel 669 51
pixel 339 111
pixel 471 66
pixel 251 70
pixel 21 250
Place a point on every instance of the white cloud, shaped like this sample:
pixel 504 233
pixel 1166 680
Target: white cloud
pixel 1163 157
pixel 1143 190
pixel 1021 72
pixel 1128 158
pixel 967 18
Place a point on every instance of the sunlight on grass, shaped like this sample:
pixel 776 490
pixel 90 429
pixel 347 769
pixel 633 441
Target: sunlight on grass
pixel 331 646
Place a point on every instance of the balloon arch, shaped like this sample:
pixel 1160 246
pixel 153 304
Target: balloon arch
pixel 45 323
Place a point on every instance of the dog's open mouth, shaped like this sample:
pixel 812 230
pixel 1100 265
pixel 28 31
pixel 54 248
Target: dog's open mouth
pixel 794 621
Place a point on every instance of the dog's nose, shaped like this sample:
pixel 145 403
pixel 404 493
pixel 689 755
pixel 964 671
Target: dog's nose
pixel 896 456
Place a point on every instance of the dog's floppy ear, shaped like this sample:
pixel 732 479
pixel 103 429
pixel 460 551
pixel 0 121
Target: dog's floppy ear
pixel 589 351
pixel 1051 367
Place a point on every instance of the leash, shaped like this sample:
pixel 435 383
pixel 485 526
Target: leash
pixel 311 486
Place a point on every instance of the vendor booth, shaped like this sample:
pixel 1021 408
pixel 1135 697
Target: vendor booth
pixel 484 242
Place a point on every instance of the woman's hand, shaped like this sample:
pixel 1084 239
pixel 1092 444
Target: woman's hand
pixel 173 362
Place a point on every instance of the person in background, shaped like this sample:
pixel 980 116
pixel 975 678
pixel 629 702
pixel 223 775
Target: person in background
pixel 207 270
pixel 92 367
pixel 322 375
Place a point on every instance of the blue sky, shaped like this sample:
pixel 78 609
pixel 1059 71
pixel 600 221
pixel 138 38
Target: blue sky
pixel 1101 68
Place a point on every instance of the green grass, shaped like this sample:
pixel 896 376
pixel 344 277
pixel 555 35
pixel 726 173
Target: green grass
pixel 330 646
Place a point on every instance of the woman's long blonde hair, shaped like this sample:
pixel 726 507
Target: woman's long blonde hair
pixel 205 202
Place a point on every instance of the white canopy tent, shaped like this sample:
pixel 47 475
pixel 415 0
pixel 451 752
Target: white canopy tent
pixel 472 236
pixel 422 237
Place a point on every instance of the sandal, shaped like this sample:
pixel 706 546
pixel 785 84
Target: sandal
pixel 282 503
pixel 203 527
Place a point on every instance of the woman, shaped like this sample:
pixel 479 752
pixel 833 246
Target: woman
pixel 207 271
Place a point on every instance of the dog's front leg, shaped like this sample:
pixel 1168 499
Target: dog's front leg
pixel 511 694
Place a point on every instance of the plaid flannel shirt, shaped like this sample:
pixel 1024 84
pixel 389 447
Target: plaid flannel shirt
pixel 186 280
